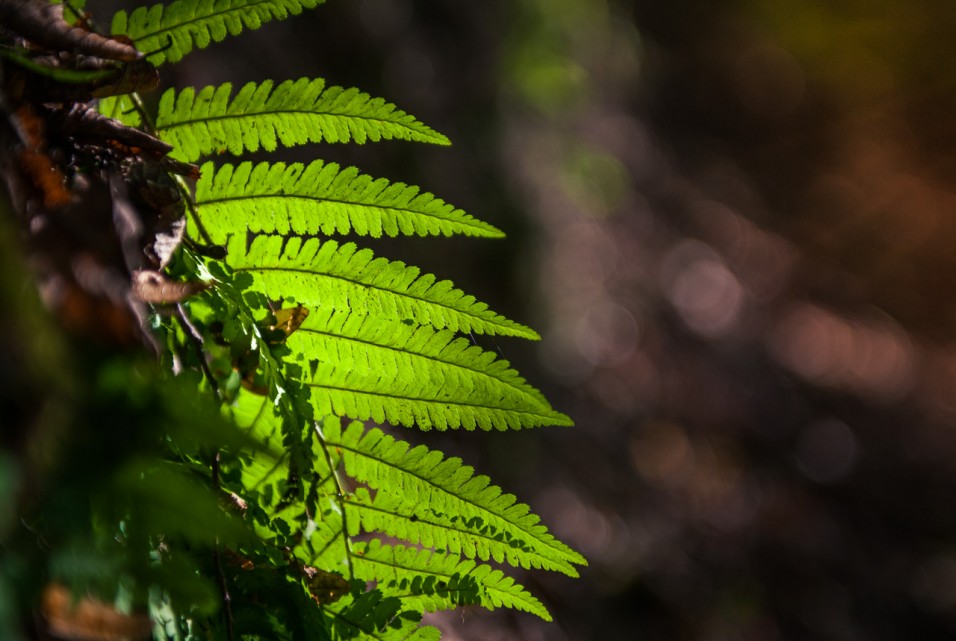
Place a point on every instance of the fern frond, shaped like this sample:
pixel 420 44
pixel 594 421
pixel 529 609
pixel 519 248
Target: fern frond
pixel 321 197
pixel 446 486
pixel 342 277
pixel 366 368
pixel 169 32
pixel 292 113
pixel 474 583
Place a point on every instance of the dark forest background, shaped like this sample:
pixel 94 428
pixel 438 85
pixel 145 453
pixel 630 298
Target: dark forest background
pixel 733 223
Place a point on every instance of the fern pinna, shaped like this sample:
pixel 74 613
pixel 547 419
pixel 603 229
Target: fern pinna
pixel 352 532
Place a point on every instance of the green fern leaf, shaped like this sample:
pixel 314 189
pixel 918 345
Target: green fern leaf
pixel 366 368
pixel 341 277
pixel 321 197
pixel 169 32
pixel 293 113
pixel 396 516
pixel 399 565
pixel 446 486
pixel 413 376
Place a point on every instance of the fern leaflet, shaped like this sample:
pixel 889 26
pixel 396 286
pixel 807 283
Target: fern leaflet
pixel 343 277
pixel 410 375
pixel 394 515
pixel 291 113
pixel 446 486
pixel 398 565
pixel 173 30
pixel 321 197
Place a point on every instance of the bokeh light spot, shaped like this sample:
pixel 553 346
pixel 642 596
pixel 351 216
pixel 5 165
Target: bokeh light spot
pixel 827 451
pixel 873 358
pixel 705 293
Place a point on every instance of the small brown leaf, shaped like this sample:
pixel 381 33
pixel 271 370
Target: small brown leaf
pixel 288 320
pixel 324 587
pixel 152 287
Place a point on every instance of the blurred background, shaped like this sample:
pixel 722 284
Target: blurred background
pixel 733 224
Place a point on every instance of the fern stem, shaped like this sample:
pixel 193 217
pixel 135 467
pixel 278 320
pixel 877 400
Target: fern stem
pixel 193 212
pixel 197 342
pixel 340 496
